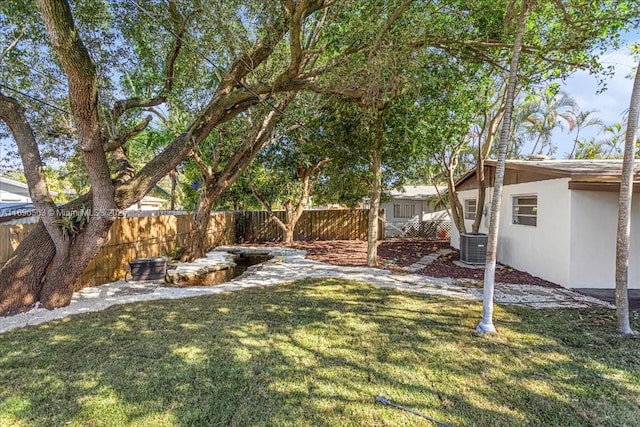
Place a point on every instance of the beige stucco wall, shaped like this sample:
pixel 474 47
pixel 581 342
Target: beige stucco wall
pixel 593 240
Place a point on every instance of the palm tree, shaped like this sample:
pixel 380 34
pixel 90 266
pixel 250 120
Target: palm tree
pixel 580 120
pixel 615 140
pixel 624 212
pixel 547 111
pixel 588 149
pixel 486 324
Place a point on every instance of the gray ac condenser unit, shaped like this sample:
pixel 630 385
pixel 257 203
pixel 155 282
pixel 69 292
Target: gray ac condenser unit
pixel 473 248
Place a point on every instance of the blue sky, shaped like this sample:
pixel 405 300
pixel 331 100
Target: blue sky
pixel 612 103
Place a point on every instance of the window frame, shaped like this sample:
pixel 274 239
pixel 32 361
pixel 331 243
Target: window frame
pixel 470 214
pixel 404 210
pixel 527 219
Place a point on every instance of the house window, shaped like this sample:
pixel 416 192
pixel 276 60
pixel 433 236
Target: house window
pixel 404 210
pixel 470 209
pixel 525 210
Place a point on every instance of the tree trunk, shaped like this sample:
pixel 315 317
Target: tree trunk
pixel 457 211
pixel 624 213
pixel 196 246
pixel 20 282
pixel 486 325
pixel 216 183
pixel 309 177
pixel 482 194
pixel 293 215
pixel 174 181
pixel 288 234
pixel 69 263
pixel 483 152
pixel 375 193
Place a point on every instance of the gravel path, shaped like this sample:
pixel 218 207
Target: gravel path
pixel 291 264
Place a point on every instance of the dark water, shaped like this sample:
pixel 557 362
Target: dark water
pixel 243 262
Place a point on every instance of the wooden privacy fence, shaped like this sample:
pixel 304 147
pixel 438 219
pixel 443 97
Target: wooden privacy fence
pixel 131 238
pixel 335 224
pixel 10 238
pixel 151 236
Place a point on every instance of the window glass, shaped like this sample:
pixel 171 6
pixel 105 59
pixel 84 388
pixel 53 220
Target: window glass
pixel 406 210
pixel 470 209
pixel 525 210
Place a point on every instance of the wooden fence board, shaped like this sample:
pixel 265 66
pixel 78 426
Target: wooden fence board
pixel 335 224
pixel 151 236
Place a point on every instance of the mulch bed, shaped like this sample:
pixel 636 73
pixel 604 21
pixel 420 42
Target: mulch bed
pixel 397 253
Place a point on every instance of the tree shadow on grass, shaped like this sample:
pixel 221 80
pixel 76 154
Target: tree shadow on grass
pixel 317 353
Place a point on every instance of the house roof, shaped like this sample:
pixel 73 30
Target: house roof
pixel 572 168
pixel 583 174
pixel 6 183
pixel 151 199
pixel 11 211
pixel 415 192
pixel 13 182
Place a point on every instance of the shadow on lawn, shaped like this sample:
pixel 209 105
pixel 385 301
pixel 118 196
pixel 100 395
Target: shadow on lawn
pixel 317 353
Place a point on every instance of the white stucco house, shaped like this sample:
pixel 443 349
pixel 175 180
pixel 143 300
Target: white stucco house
pixel 411 205
pixel 13 191
pixel 148 203
pixel 558 219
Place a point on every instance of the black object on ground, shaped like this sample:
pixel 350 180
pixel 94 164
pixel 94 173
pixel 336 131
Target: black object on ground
pixel 143 269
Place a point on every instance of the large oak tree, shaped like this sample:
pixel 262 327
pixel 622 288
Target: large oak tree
pixel 47 264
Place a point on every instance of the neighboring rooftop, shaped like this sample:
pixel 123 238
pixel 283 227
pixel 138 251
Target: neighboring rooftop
pixel 417 192
pixel 10 187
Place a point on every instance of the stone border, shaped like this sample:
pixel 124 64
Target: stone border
pixel 290 265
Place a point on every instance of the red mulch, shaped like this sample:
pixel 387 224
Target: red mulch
pixel 396 253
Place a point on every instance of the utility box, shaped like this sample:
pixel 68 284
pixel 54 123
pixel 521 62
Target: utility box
pixel 473 248
pixel 148 268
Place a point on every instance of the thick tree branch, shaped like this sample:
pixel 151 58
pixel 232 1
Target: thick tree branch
pixel 125 169
pixel 12 113
pixel 81 74
pixel 207 171
pixel 388 24
pixel 179 29
pixel 122 139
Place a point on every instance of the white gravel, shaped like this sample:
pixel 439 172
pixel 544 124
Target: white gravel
pixel 288 265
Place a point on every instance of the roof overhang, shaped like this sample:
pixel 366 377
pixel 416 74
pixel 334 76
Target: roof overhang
pixel 583 178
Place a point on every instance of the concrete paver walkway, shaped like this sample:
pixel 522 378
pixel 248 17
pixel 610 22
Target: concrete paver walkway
pixel 426 260
pixel 288 265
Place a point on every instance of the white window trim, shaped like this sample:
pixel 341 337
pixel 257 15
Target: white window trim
pixel 514 206
pixel 469 215
pixel 405 210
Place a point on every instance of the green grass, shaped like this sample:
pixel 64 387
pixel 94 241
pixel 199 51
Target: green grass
pixel 316 353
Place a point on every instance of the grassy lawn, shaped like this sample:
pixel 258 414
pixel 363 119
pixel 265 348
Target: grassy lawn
pixel 316 353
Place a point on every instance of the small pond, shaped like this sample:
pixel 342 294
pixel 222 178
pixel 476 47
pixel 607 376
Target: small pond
pixel 242 260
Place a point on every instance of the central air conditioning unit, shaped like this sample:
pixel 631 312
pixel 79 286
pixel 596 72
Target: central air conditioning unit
pixel 473 248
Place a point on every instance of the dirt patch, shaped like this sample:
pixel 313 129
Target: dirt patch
pixel 397 253
pixel 336 252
